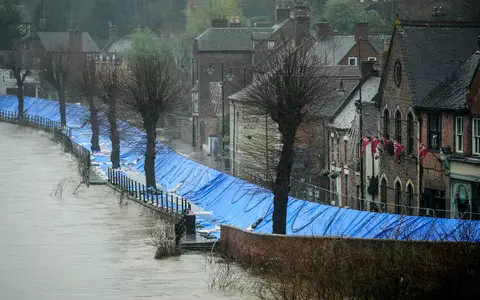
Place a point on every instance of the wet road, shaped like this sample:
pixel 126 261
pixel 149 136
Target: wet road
pixel 57 244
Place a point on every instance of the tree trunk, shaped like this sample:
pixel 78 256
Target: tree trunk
pixel 282 183
pixel 20 100
pixel 95 125
pixel 63 110
pixel 114 137
pixel 150 154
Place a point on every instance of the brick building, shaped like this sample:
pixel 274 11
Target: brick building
pixel 421 55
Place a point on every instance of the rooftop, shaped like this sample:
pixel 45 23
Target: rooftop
pixel 229 39
pixel 59 42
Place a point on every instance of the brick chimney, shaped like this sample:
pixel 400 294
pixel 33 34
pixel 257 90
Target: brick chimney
pixel 112 33
pixel 361 31
pixel 323 30
pixel 219 22
pixel 282 12
pixel 302 23
pixel 75 41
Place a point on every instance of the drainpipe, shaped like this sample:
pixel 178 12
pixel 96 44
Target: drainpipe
pixel 420 171
pixel 234 138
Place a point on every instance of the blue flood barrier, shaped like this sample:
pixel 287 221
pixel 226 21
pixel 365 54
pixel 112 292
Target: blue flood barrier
pixel 237 202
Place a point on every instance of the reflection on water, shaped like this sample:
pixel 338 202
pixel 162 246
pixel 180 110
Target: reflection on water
pixel 57 245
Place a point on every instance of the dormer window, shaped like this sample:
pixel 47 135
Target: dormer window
pixel 352 61
pixel 271 45
pixel 372 58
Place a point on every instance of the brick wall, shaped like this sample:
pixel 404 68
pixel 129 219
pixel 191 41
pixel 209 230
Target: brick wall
pixel 366 51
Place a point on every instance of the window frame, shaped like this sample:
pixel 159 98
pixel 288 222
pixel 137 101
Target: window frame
pixel 459 136
pixel 271 45
pixel 354 58
pixel 410 132
pixel 338 150
pixel 410 198
pixel 383 191
pixel 398 197
pixel 434 118
pixel 386 122
pixel 372 58
pixel 475 123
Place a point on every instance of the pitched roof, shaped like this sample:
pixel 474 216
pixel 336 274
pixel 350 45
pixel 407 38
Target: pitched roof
pixel 433 51
pixel 346 115
pixel 451 94
pixel 334 48
pixel 228 39
pixel 59 41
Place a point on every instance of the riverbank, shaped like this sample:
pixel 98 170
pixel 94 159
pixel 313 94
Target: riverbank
pixel 234 201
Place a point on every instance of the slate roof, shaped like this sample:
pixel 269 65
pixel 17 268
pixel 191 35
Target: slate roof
pixel 59 41
pixel 334 48
pixel 346 115
pixel 451 94
pixel 434 51
pixel 228 39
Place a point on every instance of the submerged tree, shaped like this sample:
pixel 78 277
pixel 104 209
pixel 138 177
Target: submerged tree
pixel 289 87
pixel 55 69
pixel 153 87
pixel 111 84
pixel 20 63
pixel 85 84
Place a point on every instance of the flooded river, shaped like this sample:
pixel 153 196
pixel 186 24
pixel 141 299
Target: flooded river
pixel 57 244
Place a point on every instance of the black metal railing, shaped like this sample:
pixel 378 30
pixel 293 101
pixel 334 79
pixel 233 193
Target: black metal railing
pixel 159 200
pixel 61 134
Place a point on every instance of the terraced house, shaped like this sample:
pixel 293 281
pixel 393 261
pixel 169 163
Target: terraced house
pixel 418 106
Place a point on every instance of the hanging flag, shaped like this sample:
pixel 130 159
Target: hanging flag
pixel 385 141
pixel 423 151
pixel 375 143
pixel 365 142
pixel 397 150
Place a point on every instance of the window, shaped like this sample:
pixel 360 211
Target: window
pixel 346 151
pixel 11 74
pixel 459 134
pixel 410 199
pixel 410 132
pixel 346 184
pixel 434 131
pixel 271 45
pixel 476 136
pixel 383 191
pixel 398 197
pixel 352 61
pixel 398 126
pixel 372 58
pixel 338 150
pixel 386 122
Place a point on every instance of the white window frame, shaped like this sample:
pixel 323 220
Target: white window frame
pixel 352 57
pixel 372 58
pixel 271 45
pixel 459 134
pixel 476 136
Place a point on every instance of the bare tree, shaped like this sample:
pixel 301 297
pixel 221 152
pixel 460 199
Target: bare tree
pixel 152 89
pixel 293 87
pixel 20 63
pixel 55 69
pixel 85 84
pixel 111 83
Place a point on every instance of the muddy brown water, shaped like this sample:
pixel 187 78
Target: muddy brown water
pixel 55 244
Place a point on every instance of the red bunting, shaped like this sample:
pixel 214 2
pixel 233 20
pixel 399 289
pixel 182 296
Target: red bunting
pixel 397 150
pixel 375 143
pixel 385 141
pixel 365 142
pixel 423 151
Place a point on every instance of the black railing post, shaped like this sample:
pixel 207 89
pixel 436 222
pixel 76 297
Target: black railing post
pixel 176 203
pixel 171 201
pixel 161 198
pixel 166 201
pixel 144 193
pixel 156 198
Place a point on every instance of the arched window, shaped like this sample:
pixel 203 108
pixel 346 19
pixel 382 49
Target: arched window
pixel 398 126
pixel 410 133
pixel 383 193
pixel 398 197
pixel 386 122
pixel 410 199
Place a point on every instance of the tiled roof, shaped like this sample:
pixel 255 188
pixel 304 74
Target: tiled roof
pixel 451 94
pixel 434 51
pixel 228 39
pixel 334 48
pixel 59 41
pixel 345 117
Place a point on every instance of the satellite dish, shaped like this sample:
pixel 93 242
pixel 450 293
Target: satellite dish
pixel 377 66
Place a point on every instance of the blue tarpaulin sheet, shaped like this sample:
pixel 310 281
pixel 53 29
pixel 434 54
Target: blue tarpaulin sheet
pixel 237 202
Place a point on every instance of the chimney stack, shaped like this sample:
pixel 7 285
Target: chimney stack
pixel 323 30
pixel 302 23
pixel 282 12
pixel 112 33
pixel 361 31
